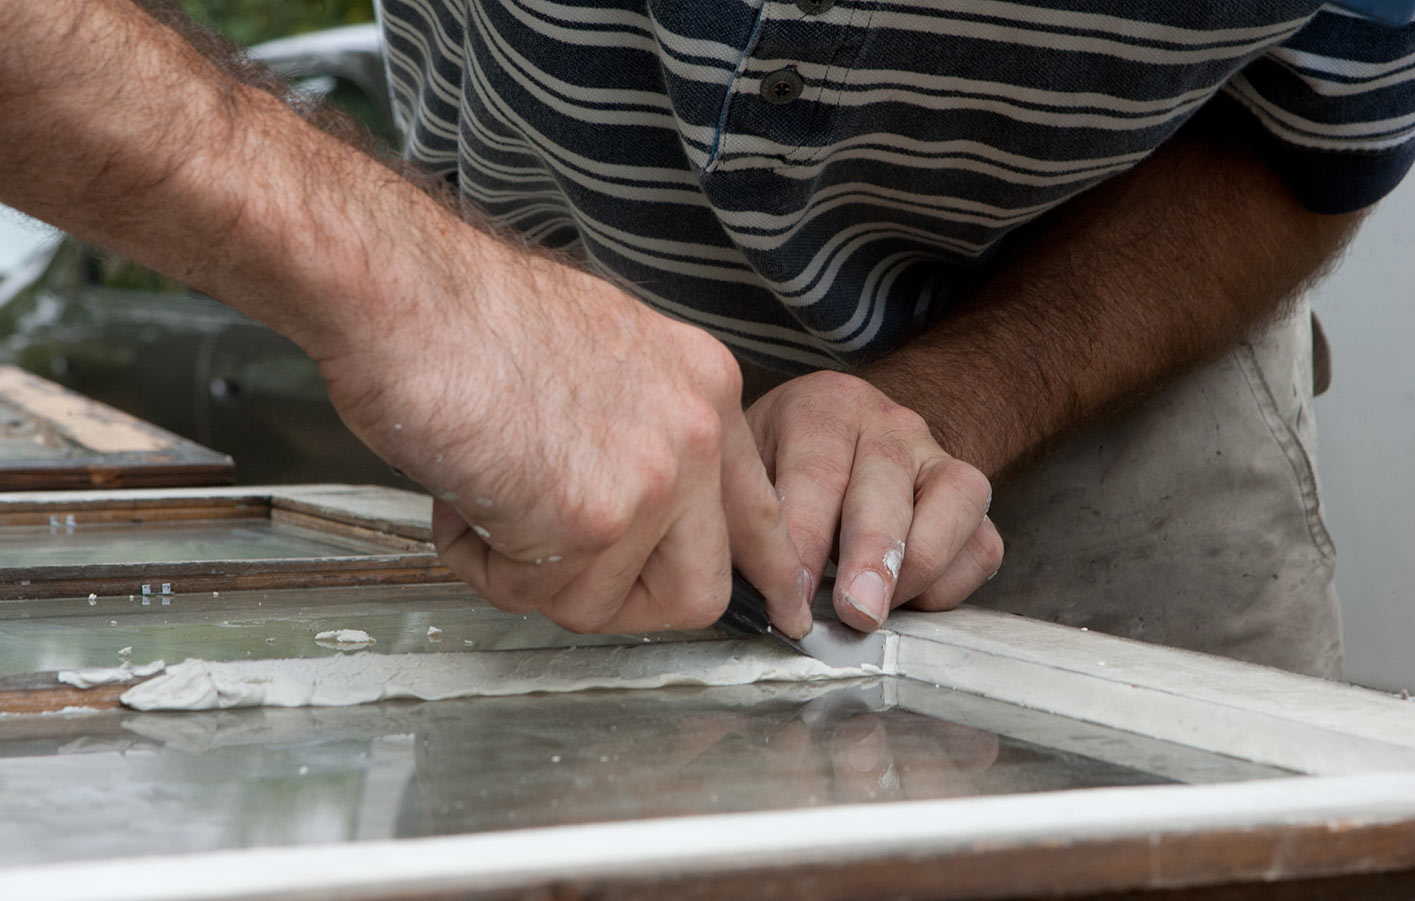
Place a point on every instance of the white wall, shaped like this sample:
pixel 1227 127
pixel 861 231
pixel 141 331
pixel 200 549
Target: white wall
pixel 19 235
pixel 1367 442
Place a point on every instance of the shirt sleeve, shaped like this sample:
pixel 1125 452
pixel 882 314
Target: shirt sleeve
pixel 1336 106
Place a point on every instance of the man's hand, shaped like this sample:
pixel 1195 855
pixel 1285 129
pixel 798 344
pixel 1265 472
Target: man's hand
pixel 912 520
pixel 590 457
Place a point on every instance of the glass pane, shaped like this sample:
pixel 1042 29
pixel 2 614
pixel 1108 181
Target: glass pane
pixel 105 785
pixel 71 633
pixel 65 543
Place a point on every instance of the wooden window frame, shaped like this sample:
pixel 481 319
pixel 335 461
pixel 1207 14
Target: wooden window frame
pixel 1349 816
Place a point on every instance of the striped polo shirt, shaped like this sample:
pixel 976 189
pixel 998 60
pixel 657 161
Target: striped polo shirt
pixel 811 180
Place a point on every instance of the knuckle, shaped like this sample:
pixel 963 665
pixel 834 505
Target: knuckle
pixel 656 472
pixel 904 420
pixel 938 598
pixel 990 550
pixel 700 430
pixel 598 521
pixel 836 384
pixel 969 483
pixel 714 364
pixel 578 621
pixel 696 600
pixel 585 612
pixel 702 612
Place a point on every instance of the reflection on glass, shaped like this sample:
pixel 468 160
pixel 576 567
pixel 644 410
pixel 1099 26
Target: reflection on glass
pixel 124 784
pixel 71 633
pixel 65 543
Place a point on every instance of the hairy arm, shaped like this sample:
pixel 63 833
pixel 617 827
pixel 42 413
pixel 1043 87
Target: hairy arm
pixel 1143 278
pixel 120 132
pixel 590 457
pixel 1112 295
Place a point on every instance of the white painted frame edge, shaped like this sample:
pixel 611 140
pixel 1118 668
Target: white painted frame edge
pixel 718 844
pixel 1256 713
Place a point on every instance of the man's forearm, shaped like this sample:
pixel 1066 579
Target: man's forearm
pixel 1124 288
pixel 117 130
pixel 590 457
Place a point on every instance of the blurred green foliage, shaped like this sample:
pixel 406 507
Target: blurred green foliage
pixel 252 21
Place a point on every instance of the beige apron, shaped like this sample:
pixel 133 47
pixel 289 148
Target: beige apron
pixel 1194 521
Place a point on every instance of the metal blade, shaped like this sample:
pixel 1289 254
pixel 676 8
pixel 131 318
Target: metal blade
pixel 839 645
pixel 830 641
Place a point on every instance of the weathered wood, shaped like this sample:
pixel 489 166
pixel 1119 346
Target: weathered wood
pixel 88 444
pixel 395 520
pixel 108 579
pixel 374 507
pixel 29 693
pixel 344 529
pixel 86 507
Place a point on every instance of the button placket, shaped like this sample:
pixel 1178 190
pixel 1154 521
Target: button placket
pixel 782 86
pixel 799 45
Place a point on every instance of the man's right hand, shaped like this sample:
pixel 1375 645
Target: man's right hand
pixel 593 455
pixel 590 457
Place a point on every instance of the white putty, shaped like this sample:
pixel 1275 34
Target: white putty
pixel 483 502
pixel 448 496
pixel 894 558
pixel 554 558
pixel 483 534
pixel 434 633
pixel 92 600
pixel 125 654
pixel 107 675
pixel 344 638
pixel 62 711
pixel 344 680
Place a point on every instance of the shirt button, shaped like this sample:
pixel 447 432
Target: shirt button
pixel 814 7
pixel 782 86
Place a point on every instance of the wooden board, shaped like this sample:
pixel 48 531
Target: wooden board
pixel 52 438
pixel 383 534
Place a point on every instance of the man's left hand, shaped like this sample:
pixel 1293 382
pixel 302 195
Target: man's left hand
pixel 912 520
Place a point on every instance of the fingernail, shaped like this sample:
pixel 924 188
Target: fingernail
pixel 807 589
pixel 869 595
pixel 994 574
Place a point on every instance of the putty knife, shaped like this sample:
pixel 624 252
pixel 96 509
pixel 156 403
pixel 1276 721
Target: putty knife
pixel 830 641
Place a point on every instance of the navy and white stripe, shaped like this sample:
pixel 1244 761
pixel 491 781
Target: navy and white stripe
pixel 823 231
